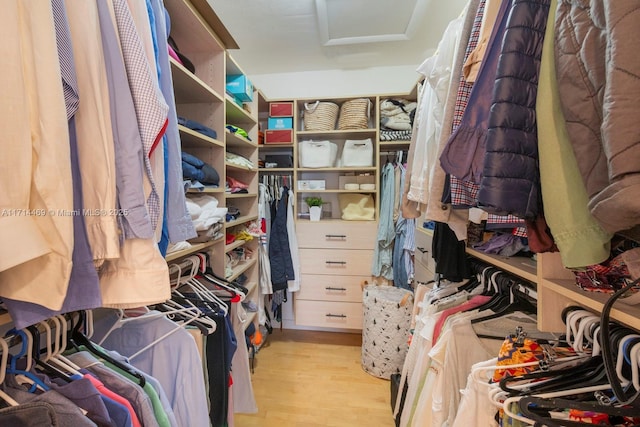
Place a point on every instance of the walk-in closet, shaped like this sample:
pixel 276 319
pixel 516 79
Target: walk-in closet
pixel 348 213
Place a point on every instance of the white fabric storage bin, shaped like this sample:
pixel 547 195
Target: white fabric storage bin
pixel 317 154
pixel 357 153
pixel 385 329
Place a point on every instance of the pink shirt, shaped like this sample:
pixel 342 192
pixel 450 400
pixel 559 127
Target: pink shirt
pixel 111 395
pixel 474 302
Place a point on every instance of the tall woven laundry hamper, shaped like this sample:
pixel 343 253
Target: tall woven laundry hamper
pixel 385 329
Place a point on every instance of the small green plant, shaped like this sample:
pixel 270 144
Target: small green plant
pixel 314 201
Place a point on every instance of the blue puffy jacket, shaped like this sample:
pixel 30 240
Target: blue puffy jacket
pixel 510 178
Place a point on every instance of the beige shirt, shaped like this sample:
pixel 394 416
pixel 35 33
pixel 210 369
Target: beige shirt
pixel 472 65
pixel 95 138
pixel 35 169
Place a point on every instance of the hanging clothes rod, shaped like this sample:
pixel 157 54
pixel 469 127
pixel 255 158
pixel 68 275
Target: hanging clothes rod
pixel 389 153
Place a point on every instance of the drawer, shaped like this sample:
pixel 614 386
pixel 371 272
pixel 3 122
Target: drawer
pixel 423 273
pixel 424 254
pixel 347 315
pixel 339 262
pixel 331 288
pixel 337 234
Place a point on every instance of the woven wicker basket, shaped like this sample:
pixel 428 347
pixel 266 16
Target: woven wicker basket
pixel 385 329
pixel 354 114
pixel 320 116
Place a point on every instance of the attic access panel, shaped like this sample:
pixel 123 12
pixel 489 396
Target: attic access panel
pixel 343 22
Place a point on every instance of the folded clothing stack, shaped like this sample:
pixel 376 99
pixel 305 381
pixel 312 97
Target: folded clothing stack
pixel 397 114
pixel 198 127
pixel 238 160
pixel 195 169
pixel 205 213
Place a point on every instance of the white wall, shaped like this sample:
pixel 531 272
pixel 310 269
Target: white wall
pixel 337 83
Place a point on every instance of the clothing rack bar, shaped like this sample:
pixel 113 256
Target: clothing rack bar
pixel 389 153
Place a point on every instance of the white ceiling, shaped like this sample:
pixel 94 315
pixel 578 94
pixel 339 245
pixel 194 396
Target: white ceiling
pixel 282 36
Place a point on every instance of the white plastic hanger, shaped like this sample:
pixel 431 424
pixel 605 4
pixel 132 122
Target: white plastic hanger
pixel 156 341
pixel 620 362
pixel 4 348
pixel 634 356
pixel 61 345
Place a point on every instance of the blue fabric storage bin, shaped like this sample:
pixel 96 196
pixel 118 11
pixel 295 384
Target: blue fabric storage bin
pixel 280 123
pixel 240 87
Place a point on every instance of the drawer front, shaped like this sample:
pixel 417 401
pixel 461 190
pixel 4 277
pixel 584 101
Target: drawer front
pixel 338 262
pixel 337 234
pixel 423 254
pixel 331 288
pixel 422 273
pixel 347 315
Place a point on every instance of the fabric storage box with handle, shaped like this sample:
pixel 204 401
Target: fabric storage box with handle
pixel 317 154
pixel 278 136
pixel 357 153
pixel 320 116
pixel 355 114
pixel 281 109
pixel 280 123
pixel 385 329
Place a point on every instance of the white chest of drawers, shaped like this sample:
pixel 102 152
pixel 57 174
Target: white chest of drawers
pixel 335 259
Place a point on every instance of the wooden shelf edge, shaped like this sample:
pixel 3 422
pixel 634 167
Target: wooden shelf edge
pixel 240 195
pixel 199 136
pixel 197 247
pixel 251 287
pixel 240 168
pixel 338 191
pixel 235 244
pixel 205 191
pixel 241 220
pixel 251 318
pixel 515 265
pixel 238 110
pixel 241 268
pixel 234 140
pixel 345 169
pixel 5 319
pixel 266 170
pixel 627 314
pixel 177 67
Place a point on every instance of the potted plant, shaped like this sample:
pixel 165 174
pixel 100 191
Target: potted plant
pixel 315 207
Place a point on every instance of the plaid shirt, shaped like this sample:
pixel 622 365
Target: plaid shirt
pixel 464 194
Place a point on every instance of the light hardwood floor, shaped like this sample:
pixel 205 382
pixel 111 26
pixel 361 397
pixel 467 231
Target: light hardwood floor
pixel 313 379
